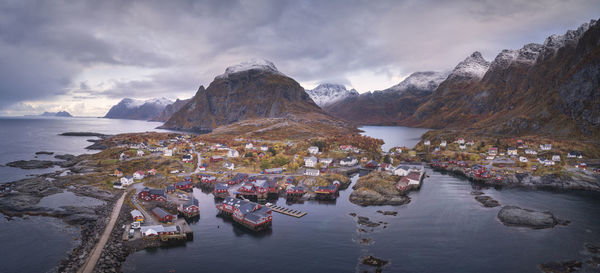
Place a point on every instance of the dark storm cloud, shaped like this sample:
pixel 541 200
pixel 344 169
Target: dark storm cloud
pixel 46 45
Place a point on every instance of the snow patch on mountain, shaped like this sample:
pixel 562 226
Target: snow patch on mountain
pixel 554 42
pixel 528 55
pixel 473 67
pixel 252 64
pixel 422 81
pixel 135 103
pixel 328 93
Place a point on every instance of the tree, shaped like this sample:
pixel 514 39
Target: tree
pixel 272 151
pixel 387 160
pixel 265 164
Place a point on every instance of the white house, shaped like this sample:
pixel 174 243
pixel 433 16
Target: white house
pixel 126 180
pixel 117 185
pixel 349 161
pixel 123 156
pixel 401 170
pixel 168 152
pixel 460 140
pixel 462 146
pixel 233 153
pixel 138 175
pixel 490 157
pixel 556 158
pixel 313 150
pixel 140 153
pixel 523 159
pixel 574 154
pixel 512 151
pixel 249 145
pixel 398 150
pixel 264 148
pixel 405 169
pixel 325 161
pixel 443 143
pixel 310 161
pixel 547 162
pixel 228 165
pixel 426 142
pixel 545 147
pixel 530 152
pixel 471 143
pixel 312 172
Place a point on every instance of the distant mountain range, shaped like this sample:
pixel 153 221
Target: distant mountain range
pixel 138 109
pixel 55 114
pixel 549 89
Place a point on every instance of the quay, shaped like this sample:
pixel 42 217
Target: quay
pixel 287 211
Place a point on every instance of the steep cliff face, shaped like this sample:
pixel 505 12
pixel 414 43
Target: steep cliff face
pixel 550 89
pixel 137 109
pixel 246 91
pixel 390 106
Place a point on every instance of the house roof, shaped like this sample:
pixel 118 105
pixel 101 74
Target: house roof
pixel 158 211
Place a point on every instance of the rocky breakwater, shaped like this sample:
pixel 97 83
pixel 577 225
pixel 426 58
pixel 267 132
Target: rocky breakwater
pixel 377 188
pixel 571 180
pixel 516 216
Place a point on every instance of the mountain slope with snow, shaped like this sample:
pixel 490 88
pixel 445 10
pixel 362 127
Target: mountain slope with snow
pixel 138 109
pixel 328 93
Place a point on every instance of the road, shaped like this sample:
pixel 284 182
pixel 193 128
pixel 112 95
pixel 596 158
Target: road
pixel 89 265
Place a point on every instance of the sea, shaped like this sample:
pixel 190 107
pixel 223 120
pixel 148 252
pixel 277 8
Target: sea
pixel 442 229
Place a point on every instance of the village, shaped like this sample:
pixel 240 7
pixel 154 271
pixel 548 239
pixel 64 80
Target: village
pixel 246 177
pixel 499 161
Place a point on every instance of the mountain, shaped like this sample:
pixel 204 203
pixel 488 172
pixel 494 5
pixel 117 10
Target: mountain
pixel 547 89
pixel 328 93
pixel 137 109
pixel 391 105
pixel 56 114
pixel 253 90
pixel 171 109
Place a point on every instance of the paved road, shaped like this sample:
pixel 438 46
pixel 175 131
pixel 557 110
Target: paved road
pixel 89 265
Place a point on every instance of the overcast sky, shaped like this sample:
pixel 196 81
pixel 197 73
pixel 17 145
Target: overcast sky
pixel 84 56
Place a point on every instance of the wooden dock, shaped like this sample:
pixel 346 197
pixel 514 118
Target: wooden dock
pixel 287 211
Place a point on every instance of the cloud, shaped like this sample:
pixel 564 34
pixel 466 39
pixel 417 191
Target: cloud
pixel 69 52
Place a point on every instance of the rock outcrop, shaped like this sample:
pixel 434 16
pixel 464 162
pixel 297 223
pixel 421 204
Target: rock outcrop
pixel 515 216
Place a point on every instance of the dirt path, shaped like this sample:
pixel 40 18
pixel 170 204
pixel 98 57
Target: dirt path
pixel 89 265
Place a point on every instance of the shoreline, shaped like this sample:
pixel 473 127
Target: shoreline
pixel 526 181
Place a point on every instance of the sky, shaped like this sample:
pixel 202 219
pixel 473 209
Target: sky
pixel 85 56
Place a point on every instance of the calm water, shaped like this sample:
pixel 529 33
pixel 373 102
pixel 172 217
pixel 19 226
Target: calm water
pixel 394 135
pixel 443 229
pixel 34 244
pixel 22 137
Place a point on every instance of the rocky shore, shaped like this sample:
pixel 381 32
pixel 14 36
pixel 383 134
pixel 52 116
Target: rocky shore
pixel 23 197
pixel 549 181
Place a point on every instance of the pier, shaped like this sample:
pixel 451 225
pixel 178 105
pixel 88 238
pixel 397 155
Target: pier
pixel 287 211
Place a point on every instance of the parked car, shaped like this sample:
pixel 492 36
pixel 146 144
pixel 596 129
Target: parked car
pixel 131 232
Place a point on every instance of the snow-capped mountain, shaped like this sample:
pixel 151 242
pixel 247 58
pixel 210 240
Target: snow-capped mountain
pixel 252 64
pixel 328 93
pixel 138 109
pixel 472 68
pixel 420 81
